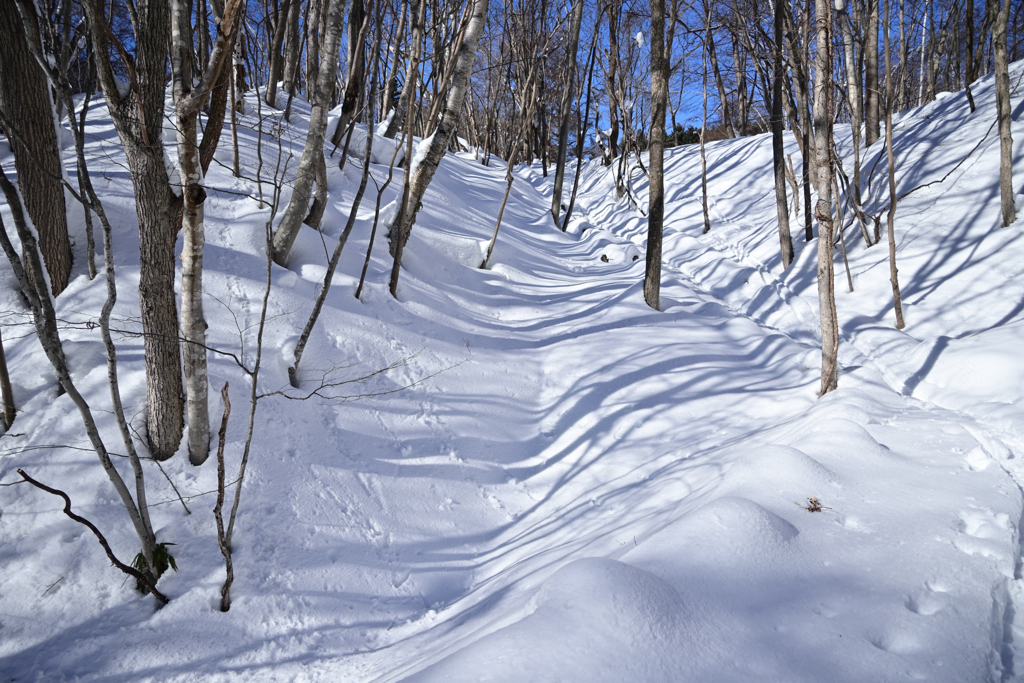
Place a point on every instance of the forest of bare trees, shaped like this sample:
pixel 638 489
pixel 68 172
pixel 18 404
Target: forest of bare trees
pixel 545 82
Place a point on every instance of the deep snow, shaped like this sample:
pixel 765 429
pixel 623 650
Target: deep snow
pixel 562 484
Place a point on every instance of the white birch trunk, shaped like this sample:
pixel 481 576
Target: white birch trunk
pixel 313 153
pixel 187 102
pixel 823 209
pixel 424 172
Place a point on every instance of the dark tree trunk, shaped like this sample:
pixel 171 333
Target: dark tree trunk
pixel 871 114
pixel 890 218
pixel 565 107
pixel 29 125
pixel 292 49
pixel 356 66
pixel 778 150
pixel 1002 15
pixel 139 122
pixel 276 65
pixel 5 390
pixel 659 99
pixel 613 64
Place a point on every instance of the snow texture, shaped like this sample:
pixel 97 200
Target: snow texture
pixel 554 482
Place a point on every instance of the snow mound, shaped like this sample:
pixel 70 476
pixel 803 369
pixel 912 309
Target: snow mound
pixel 595 619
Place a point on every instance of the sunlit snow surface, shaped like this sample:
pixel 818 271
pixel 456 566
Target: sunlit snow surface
pixel 574 487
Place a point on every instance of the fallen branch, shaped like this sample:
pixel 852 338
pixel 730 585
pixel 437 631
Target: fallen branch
pixel 145 579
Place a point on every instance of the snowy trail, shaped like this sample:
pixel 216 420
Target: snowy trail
pixel 569 486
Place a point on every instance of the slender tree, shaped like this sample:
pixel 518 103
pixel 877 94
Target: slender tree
pixel 969 56
pixel 564 108
pixel 854 98
pixel 442 136
pixel 313 152
pixel 891 215
pixel 1001 12
pixel 6 392
pixel 659 99
pixel 190 91
pixel 871 92
pixel 823 208
pixel 778 149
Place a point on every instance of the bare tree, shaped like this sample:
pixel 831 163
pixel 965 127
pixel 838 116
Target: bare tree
pixel 33 287
pixel 6 392
pixel 871 92
pixel 138 117
pixel 424 171
pixel 313 153
pixel 190 90
pixel 969 56
pixel 823 209
pixel 29 125
pixel 778 149
pixel 893 272
pixel 278 28
pixel 704 121
pixel 564 108
pixel 660 61
pixel 353 212
pixel 854 98
pixel 1001 12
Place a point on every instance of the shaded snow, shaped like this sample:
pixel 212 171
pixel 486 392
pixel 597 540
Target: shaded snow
pixel 575 487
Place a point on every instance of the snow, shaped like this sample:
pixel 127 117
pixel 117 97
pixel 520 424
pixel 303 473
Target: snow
pixel 555 482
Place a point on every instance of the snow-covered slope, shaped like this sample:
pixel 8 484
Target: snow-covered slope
pixel 564 484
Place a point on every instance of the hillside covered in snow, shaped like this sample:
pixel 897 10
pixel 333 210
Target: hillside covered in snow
pixel 525 473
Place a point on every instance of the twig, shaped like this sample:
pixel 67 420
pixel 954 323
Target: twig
pixel 171 482
pixel 50 587
pixel 137 575
pixel 222 541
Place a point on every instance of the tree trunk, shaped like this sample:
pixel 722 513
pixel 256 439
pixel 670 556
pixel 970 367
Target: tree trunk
pixel 740 66
pixel 704 121
pixel 872 127
pixel 581 133
pixel 893 272
pixel 969 57
pixel 45 321
pixel 854 96
pixel 355 79
pixel 565 109
pixel 276 65
pixel 659 99
pixel 924 31
pixel 613 65
pixel 823 209
pixel 352 214
pixel 312 29
pixel 292 49
pixel 29 124
pixel 138 118
pixel 391 88
pixel 5 390
pixel 312 153
pixel 187 102
pixel 778 149
pixel 424 172
pixel 720 84
pixel 1002 76
pixel 416 15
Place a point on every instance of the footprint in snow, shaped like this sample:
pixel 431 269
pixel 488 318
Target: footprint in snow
pixel 926 601
pixel 982 532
